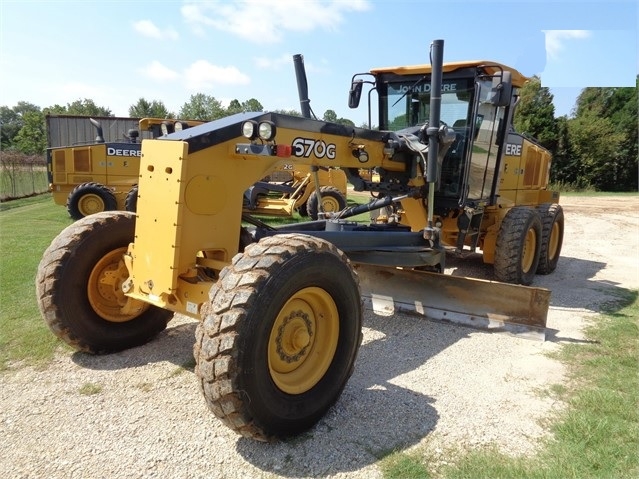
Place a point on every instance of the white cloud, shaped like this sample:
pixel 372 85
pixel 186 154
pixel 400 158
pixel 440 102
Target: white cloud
pixel 203 75
pixel 266 21
pixel 286 59
pixel 555 40
pixel 158 72
pixel 148 29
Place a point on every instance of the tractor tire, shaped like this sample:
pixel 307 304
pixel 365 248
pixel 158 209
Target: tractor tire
pixel 332 201
pixel 78 287
pixel 518 246
pixel 131 200
pixel 279 336
pixel 552 236
pixel 89 198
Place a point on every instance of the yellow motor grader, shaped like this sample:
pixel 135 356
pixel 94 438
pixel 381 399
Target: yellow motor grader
pixel 103 175
pixel 281 308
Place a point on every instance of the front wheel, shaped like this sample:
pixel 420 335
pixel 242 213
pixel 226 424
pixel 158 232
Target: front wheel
pixel 90 198
pixel 332 201
pixel 518 246
pixel 78 286
pixel 279 337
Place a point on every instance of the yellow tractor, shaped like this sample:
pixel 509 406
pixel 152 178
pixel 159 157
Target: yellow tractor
pixel 280 308
pixel 102 176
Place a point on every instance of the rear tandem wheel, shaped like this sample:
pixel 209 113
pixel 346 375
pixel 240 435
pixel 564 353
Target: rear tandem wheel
pixel 279 336
pixel 552 236
pixel 78 287
pixel 518 246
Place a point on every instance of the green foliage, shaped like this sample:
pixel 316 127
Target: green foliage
pixel 146 109
pixel 250 105
pixel 32 137
pixel 85 107
pixel 330 115
pixel 202 107
pixel 535 114
pixel 604 138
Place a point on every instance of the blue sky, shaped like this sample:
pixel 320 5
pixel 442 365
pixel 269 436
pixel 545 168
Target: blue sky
pixel 116 52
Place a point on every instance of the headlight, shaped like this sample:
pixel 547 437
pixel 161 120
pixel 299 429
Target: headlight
pixel 267 130
pixel 180 125
pixel 249 129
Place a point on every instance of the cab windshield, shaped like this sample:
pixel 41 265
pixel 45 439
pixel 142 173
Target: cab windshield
pixel 407 103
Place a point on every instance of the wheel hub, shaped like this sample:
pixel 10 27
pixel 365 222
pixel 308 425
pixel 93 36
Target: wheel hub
pixel 303 340
pixel 104 289
pixel 294 337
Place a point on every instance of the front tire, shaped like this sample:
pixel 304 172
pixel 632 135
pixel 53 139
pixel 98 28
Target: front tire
pixel 332 201
pixel 280 336
pixel 518 246
pixel 90 198
pixel 78 287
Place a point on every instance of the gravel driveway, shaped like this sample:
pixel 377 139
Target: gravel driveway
pixel 417 383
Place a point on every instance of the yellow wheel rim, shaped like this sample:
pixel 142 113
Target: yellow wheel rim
pixel 303 340
pixel 330 204
pixel 553 241
pixel 90 204
pixel 105 289
pixel 530 245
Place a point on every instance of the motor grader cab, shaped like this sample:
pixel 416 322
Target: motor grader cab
pixel 281 308
pixel 103 176
pixel 491 190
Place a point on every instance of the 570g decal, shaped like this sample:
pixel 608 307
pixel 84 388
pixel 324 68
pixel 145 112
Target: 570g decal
pixel 305 147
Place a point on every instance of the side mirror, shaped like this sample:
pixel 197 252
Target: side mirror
pixel 355 93
pixel 502 90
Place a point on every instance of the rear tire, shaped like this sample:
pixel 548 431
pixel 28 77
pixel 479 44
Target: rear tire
pixel 279 337
pixel 552 236
pixel 518 246
pixel 131 200
pixel 78 287
pixel 90 198
pixel 332 201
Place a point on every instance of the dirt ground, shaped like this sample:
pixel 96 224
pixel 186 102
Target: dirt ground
pixel 417 384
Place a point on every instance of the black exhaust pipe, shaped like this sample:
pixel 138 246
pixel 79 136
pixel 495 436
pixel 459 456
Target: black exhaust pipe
pixel 302 85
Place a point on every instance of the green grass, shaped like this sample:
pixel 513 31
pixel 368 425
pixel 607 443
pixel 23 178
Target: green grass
pixel 596 437
pixel 27 226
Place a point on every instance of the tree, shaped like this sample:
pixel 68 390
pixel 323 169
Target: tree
pixel 565 165
pixel 330 115
pixel 32 137
pixel 604 135
pixel 86 107
pixel 288 112
pixel 252 105
pixel 153 109
pixel 12 120
pixel 249 105
pixel 535 114
pixel 202 107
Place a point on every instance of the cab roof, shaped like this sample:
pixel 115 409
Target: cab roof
pixel 488 66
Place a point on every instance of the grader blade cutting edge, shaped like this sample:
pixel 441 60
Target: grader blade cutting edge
pixel 515 309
